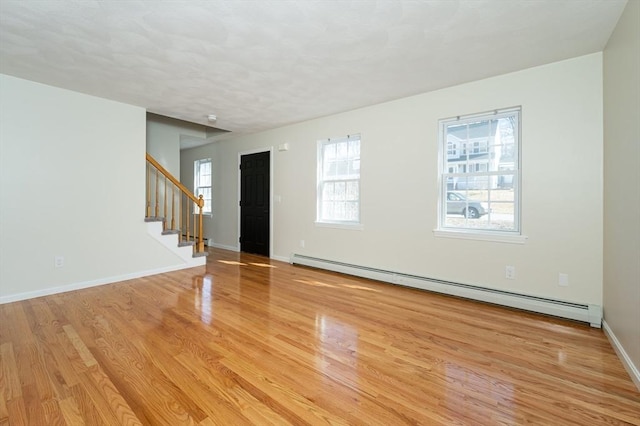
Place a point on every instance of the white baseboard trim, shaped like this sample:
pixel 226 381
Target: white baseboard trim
pixel 622 354
pixel 224 247
pixel 92 283
pixel 285 259
pixel 591 314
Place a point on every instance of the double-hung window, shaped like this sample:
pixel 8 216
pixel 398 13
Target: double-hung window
pixel 339 180
pixel 202 183
pixel 480 174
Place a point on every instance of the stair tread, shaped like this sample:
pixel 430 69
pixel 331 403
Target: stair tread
pixel 154 219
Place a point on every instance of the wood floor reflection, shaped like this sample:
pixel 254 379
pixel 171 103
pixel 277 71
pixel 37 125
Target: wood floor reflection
pixel 250 341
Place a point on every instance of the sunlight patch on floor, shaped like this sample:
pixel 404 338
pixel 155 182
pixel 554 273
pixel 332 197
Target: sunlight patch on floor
pixel 315 283
pixel 359 287
pixel 263 265
pixel 232 262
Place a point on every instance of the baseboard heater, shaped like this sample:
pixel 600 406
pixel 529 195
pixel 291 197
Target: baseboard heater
pixel 591 314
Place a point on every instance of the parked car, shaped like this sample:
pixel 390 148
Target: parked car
pixel 459 204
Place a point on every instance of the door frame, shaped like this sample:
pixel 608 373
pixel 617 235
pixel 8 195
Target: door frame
pixel 256 151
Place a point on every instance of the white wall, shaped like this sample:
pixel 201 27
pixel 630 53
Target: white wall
pixel 561 194
pixel 163 139
pixel 72 183
pixel 622 185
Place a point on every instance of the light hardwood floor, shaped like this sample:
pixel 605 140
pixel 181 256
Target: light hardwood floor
pixel 251 341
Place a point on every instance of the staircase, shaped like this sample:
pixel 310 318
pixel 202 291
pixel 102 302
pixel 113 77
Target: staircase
pixel 174 215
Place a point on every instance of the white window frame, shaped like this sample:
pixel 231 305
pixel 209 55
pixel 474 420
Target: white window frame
pixel 508 236
pixel 321 219
pixel 197 187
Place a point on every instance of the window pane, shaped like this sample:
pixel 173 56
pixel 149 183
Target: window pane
pixel 354 149
pixel 340 192
pixel 328 191
pixel 328 169
pixel 327 210
pixel 329 151
pixel 355 167
pixel 353 191
pixel 342 168
pixel 505 181
pixel 352 211
pixel 498 161
pixel 460 182
pixel 205 168
pixel 342 151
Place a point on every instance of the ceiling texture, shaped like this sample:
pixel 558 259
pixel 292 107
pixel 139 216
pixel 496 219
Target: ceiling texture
pixel 263 64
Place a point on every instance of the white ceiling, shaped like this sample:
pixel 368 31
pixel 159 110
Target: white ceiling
pixel 263 64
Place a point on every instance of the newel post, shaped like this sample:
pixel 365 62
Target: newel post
pixel 200 239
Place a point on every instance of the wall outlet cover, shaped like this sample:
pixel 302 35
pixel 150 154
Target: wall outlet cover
pixel 510 272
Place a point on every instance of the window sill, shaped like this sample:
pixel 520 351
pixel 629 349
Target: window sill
pixel 338 225
pixel 481 236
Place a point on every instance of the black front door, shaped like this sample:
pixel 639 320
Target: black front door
pixel 254 203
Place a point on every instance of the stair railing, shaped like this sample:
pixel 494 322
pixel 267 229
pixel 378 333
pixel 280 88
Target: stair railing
pixel 165 196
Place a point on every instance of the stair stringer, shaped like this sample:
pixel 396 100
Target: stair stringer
pixel 170 241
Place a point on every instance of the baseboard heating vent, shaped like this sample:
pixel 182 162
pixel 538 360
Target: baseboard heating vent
pixel 591 314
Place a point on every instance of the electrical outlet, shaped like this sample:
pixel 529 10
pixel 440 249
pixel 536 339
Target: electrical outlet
pixel 58 261
pixel 302 243
pixel 510 272
pixel 563 280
